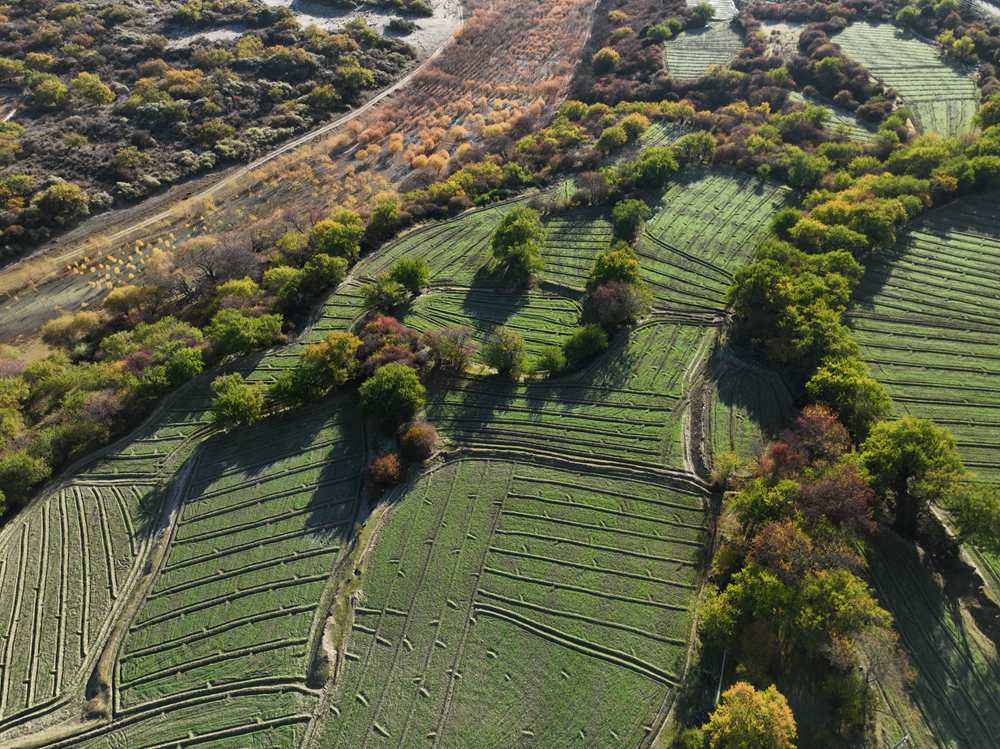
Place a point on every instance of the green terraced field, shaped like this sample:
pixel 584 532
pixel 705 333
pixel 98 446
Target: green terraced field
pixel 927 320
pixel 510 605
pixel 943 100
pixel 690 54
pixel 263 519
pixel 625 406
pixel 542 319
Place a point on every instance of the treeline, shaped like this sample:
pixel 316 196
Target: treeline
pixel 117 112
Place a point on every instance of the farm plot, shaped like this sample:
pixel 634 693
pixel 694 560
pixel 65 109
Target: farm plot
pixel 508 604
pixel 746 407
pixel 542 319
pixel 840 121
pixel 690 54
pixel 626 406
pixel 572 241
pixel 252 552
pixel 926 319
pixel 956 691
pixel 943 99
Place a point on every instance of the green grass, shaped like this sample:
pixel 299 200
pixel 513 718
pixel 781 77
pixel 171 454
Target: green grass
pixel 942 98
pixel 506 604
pixel 264 518
pixel 542 319
pixel 954 702
pixel 690 54
pixel 625 406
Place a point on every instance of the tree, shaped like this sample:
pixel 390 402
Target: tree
pixel 236 402
pixel 504 351
pixel 612 138
pixel 91 89
pixel 385 470
pixel 69 330
pixel 20 473
pixel 627 218
pixel 385 216
pixel 517 241
pixel 842 496
pixel 651 168
pixel 844 385
pixel 615 303
pixel 759 503
pixel 62 203
pixel 616 263
pixel 383 294
pixel 911 461
pixel 584 344
pixel 393 394
pixel 339 235
pixel 411 272
pixel 975 511
pixel 323 366
pixel 751 719
pixel 701 14
pixel 417 440
pixel 451 349
pixel 552 359
pixel 231 332
pixel 605 60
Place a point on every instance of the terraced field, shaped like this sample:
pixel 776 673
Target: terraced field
pixel 626 406
pixel 507 604
pixel 262 522
pixel 68 561
pixel 927 320
pixel 943 99
pixel 690 54
pixel 956 691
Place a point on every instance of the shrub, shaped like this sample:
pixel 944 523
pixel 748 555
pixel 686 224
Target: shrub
pixel 383 294
pixel 236 402
pixel 412 273
pixel 616 263
pixel 615 303
pixel 393 393
pixel 612 138
pixel 751 719
pixel 91 89
pixel 385 470
pixel 62 203
pixel 418 440
pixel 451 349
pixel 20 473
pixel 584 344
pixel 504 351
pixel 701 14
pixel 605 60
pixel 323 366
pixel 627 217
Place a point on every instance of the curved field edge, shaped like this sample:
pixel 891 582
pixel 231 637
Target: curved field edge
pixel 506 601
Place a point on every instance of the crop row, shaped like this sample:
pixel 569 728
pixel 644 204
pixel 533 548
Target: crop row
pixel 689 55
pixel 63 564
pixel 541 319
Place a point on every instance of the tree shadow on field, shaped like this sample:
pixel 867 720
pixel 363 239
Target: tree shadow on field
pixel 957 678
pixel 289 454
pixel 753 389
pixel 473 405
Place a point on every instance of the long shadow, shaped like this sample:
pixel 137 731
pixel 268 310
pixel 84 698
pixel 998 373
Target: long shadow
pixel 762 403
